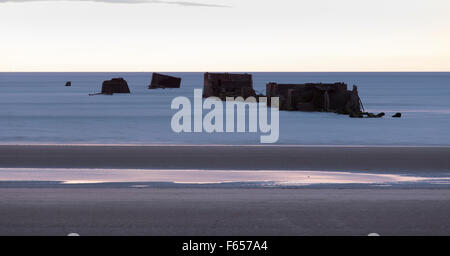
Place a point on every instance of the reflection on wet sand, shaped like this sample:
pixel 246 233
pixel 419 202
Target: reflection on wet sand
pixel 277 177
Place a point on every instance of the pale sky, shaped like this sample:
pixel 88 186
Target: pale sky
pixel 225 35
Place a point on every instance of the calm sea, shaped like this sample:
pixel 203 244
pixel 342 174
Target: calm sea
pixel 37 108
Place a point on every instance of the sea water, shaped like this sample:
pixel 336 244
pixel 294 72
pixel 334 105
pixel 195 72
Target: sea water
pixel 37 108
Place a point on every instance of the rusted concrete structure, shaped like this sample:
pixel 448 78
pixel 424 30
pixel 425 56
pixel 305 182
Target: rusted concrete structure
pixel 115 85
pixel 325 97
pixel 224 85
pixel 164 81
pixel 317 97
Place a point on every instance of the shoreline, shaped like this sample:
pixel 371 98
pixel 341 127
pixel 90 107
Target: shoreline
pixel 222 145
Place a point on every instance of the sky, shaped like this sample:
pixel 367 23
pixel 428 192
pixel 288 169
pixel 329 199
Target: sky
pixel 225 35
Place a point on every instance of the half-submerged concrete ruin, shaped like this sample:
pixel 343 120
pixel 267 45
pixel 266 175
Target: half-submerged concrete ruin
pixel 164 81
pixel 115 85
pixel 317 97
pixel 224 85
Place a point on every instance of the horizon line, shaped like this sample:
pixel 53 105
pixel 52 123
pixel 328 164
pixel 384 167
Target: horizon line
pixel 237 71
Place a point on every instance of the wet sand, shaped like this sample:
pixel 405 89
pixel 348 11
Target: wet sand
pixel 109 210
pixel 387 159
pixel 224 211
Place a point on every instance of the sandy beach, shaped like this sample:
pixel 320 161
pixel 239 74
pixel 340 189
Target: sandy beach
pixel 224 211
pixel 346 158
pixel 97 209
